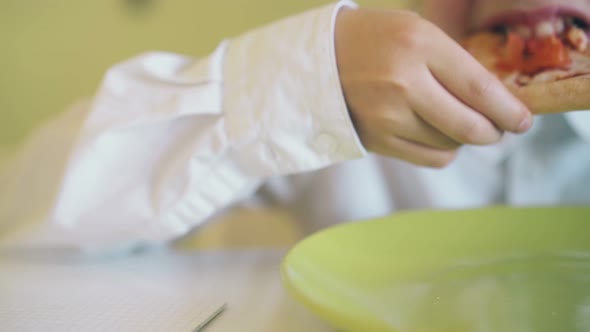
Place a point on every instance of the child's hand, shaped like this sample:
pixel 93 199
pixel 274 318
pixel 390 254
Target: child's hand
pixel 414 93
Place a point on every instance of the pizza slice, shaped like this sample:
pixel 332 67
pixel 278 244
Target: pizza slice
pixel 547 63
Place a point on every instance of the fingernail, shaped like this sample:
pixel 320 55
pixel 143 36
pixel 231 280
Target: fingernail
pixel 526 124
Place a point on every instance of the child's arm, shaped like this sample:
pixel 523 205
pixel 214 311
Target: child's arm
pixel 168 141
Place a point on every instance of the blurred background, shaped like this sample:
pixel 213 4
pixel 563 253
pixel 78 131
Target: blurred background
pixel 55 52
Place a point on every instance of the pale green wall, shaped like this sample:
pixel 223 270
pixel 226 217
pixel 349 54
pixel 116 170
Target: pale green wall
pixel 55 51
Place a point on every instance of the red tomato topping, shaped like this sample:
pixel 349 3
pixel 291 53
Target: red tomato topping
pixel 534 55
pixel 511 55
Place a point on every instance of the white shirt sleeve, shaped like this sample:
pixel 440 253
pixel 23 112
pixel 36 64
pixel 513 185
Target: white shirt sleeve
pixel 169 140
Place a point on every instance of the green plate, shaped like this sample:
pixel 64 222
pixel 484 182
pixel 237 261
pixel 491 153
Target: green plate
pixel 496 269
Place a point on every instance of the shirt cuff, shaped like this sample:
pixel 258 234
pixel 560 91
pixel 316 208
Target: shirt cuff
pixel 580 123
pixel 284 104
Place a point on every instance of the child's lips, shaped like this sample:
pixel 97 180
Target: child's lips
pixel 542 21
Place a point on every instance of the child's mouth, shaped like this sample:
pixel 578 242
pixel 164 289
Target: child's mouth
pixel 539 40
pixel 542 55
pixel 540 23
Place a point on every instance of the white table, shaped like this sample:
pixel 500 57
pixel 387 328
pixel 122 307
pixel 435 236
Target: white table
pixel 248 281
pixel 255 295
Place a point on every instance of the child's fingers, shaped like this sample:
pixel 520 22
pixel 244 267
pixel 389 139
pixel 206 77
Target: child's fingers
pixel 441 109
pixel 419 131
pixel 465 78
pixel 415 153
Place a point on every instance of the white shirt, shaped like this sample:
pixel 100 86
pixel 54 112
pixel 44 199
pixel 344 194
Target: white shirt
pixel 168 141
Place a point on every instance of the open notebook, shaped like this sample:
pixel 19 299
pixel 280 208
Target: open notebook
pixel 147 294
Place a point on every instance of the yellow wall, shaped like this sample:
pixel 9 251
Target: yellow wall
pixel 55 51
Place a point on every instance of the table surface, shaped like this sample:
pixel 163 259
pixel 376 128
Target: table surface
pixel 257 301
pixel 236 259
pixel 247 280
